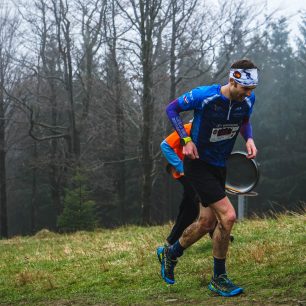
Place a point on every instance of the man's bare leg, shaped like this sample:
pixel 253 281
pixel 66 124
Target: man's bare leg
pixel 224 212
pixel 204 224
pixel 226 216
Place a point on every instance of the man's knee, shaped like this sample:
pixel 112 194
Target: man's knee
pixel 206 224
pixel 228 220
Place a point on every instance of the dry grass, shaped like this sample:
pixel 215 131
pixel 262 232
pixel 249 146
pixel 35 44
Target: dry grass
pixel 39 279
pixel 119 267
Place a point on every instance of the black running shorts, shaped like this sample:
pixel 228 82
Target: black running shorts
pixel 207 180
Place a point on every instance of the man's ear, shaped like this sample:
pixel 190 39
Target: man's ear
pixel 232 82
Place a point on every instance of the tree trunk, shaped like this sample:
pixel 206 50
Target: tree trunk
pixel 3 198
pixel 121 169
pixel 34 192
pixel 147 159
pixel 55 189
pixel 121 152
pixel 117 91
pixel 172 96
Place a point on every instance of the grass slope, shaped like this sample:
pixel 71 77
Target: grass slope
pixel 119 267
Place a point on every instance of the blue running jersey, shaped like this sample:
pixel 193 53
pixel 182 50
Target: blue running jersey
pixel 216 124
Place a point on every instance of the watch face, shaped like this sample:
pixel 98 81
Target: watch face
pixel 182 142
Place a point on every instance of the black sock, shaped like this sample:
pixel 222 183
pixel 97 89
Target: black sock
pixel 176 250
pixel 219 266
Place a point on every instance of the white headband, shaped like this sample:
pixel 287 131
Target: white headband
pixel 245 77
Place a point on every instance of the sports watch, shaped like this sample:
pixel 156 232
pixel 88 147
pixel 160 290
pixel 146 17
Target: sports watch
pixel 185 140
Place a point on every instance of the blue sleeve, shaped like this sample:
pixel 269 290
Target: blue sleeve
pixel 251 101
pixel 246 129
pixel 173 111
pixel 193 99
pixel 172 157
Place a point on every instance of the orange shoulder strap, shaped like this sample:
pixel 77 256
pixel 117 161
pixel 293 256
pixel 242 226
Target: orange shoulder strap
pixel 173 139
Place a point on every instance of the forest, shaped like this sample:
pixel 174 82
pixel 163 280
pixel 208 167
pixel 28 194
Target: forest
pixel 83 91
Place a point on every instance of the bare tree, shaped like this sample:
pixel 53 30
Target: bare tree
pixel 115 93
pixel 64 43
pixel 148 20
pixel 92 33
pixel 9 24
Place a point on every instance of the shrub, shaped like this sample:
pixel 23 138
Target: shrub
pixel 78 213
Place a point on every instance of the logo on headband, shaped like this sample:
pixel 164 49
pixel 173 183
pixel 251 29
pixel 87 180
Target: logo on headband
pixel 248 75
pixel 237 75
pixel 245 77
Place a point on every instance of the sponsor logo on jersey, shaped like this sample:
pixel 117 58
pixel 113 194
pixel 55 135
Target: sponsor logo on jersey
pixel 223 132
pixel 191 95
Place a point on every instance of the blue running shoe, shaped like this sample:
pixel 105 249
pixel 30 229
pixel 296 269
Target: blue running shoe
pixel 159 252
pixel 223 286
pixel 167 264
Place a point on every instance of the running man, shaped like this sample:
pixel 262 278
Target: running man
pixel 220 112
pixel 189 206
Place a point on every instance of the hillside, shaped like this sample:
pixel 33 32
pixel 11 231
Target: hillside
pixel 119 267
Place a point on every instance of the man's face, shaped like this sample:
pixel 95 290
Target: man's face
pixel 238 92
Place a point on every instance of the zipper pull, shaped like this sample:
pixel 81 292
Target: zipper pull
pixel 229 110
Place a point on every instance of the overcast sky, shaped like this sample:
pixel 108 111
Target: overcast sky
pixel 289 8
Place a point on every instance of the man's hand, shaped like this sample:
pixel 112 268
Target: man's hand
pixel 251 148
pixel 190 150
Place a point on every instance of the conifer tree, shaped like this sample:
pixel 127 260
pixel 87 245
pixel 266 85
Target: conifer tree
pixel 78 213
